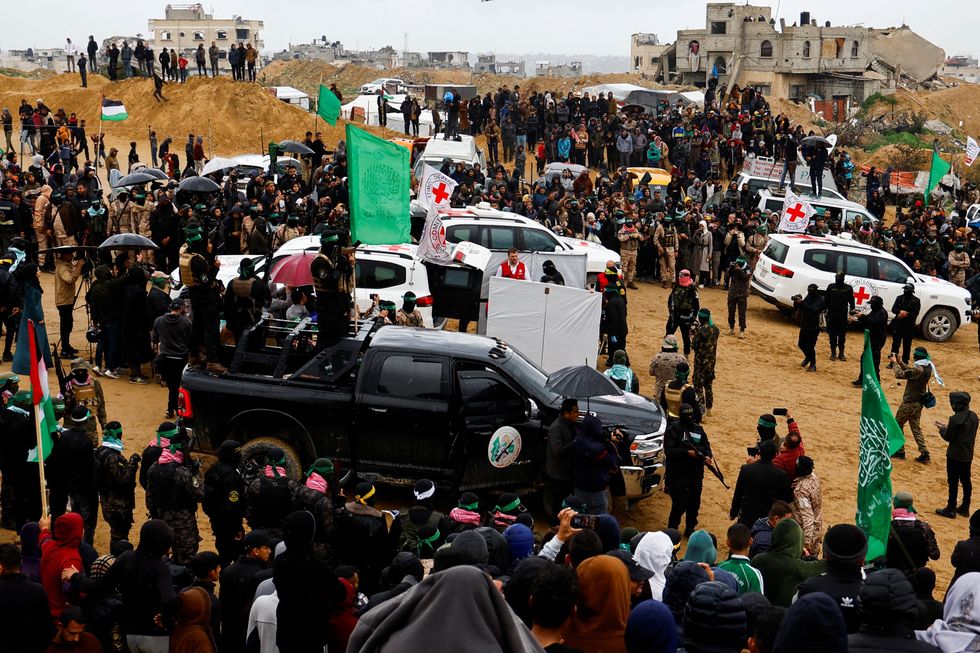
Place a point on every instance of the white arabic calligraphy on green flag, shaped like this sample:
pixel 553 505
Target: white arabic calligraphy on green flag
pixel 880 437
pixel 379 185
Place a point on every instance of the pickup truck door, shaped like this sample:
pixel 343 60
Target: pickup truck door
pixel 489 454
pixel 402 426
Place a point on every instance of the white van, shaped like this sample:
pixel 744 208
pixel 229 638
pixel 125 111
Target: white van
pixel 764 172
pixel 438 149
pixel 826 207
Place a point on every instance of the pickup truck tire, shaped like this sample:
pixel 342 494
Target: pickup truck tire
pixel 293 463
pixel 939 325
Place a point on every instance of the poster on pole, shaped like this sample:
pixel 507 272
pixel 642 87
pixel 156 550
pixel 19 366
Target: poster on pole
pixel 972 150
pixel 796 214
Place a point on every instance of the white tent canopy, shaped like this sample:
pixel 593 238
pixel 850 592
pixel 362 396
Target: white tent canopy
pixel 619 91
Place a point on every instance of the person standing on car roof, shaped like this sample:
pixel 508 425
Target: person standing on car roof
pixel 839 300
pixel 333 280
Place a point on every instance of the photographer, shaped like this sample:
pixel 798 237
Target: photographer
pixel 686 451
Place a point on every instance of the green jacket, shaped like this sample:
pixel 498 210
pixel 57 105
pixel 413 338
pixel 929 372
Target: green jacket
pixel 781 566
pixel 749 578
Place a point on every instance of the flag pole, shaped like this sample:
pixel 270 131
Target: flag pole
pixel 45 511
pixel 99 146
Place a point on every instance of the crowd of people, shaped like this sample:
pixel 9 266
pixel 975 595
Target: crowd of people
pixel 320 566
pixel 120 59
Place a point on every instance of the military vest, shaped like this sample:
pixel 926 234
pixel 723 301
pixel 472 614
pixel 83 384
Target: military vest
pixel 241 288
pixel 326 283
pixel 186 276
pixel 674 401
pixel 167 493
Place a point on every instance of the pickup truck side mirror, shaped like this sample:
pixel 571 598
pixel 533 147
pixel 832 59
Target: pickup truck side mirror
pixel 533 412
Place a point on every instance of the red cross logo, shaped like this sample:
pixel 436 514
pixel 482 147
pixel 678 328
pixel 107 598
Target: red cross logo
pixel 861 295
pixel 796 212
pixel 440 192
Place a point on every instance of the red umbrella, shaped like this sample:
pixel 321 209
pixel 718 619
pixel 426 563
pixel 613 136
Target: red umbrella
pixel 294 270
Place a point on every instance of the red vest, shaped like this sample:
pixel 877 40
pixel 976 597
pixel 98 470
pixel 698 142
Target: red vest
pixel 519 273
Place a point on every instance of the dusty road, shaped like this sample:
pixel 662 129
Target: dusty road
pixel 753 376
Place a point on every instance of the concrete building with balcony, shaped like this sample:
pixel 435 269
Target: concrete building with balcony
pixel 742 44
pixel 184 27
pixel 487 63
pixel 963 68
pixel 645 53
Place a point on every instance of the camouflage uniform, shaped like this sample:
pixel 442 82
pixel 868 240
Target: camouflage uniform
pixel 917 379
pixel 665 238
pixel 959 263
pixel 121 218
pixel 173 492
pixel 413 319
pixel 705 346
pixel 117 486
pixel 663 365
pixel 629 245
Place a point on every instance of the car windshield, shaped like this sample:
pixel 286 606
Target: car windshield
pixel 528 375
pixel 380 80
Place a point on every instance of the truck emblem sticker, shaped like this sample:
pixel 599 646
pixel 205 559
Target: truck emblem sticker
pixel 504 447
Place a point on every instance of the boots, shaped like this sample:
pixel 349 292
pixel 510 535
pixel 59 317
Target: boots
pixel 217 368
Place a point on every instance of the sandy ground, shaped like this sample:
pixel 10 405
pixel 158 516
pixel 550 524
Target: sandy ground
pixel 754 376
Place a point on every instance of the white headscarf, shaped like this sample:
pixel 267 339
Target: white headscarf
pixel 653 553
pixel 959 629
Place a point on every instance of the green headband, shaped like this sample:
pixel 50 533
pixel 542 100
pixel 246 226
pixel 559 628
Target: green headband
pixel 767 423
pixel 192 237
pixel 115 434
pixel 510 506
pixel 921 354
pixel 469 506
pixel 429 541
pixel 321 469
pixel 678 374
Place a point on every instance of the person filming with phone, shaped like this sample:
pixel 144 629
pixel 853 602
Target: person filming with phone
pixel 687 452
pixel 594 458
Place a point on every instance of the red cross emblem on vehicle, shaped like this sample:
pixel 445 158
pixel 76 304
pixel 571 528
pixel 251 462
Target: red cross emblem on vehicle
pixel 796 212
pixel 861 295
pixel 440 192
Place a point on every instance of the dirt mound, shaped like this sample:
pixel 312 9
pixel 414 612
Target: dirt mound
pixel 237 118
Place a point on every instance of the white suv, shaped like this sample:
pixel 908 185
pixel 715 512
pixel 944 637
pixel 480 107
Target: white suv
pixel 386 270
pixel 498 231
pixel 791 262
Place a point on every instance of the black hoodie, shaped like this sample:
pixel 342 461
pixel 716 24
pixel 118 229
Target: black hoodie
pixel 961 430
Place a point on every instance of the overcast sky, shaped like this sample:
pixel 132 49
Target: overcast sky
pixel 556 26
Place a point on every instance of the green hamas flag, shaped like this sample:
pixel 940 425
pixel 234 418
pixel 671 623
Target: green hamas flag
pixel 379 183
pixel 327 105
pixel 880 437
pixel 939 169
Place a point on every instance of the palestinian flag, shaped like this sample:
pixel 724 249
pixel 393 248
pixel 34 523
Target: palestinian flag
pixel 113 110
pixel 41 396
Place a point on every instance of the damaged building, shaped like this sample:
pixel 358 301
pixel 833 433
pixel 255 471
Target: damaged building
pixel 744 45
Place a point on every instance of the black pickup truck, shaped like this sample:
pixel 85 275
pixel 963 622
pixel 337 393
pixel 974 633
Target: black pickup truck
pixel 396 404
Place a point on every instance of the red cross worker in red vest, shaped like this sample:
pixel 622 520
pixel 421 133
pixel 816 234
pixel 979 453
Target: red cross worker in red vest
pixel 512 268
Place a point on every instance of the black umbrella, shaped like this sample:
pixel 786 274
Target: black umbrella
pixel 156 173
pixel 135 179
pixel 68 249
pixel 816 140
pixel 581 382
pixel 294 147
pixel 127 242
pixel 198 185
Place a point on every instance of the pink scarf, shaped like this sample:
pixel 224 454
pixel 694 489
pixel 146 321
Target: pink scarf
pixel 169 456
pixel 461 516
pixel 270 473
pixel 503 519
pixel 316 482
pixel 164 442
